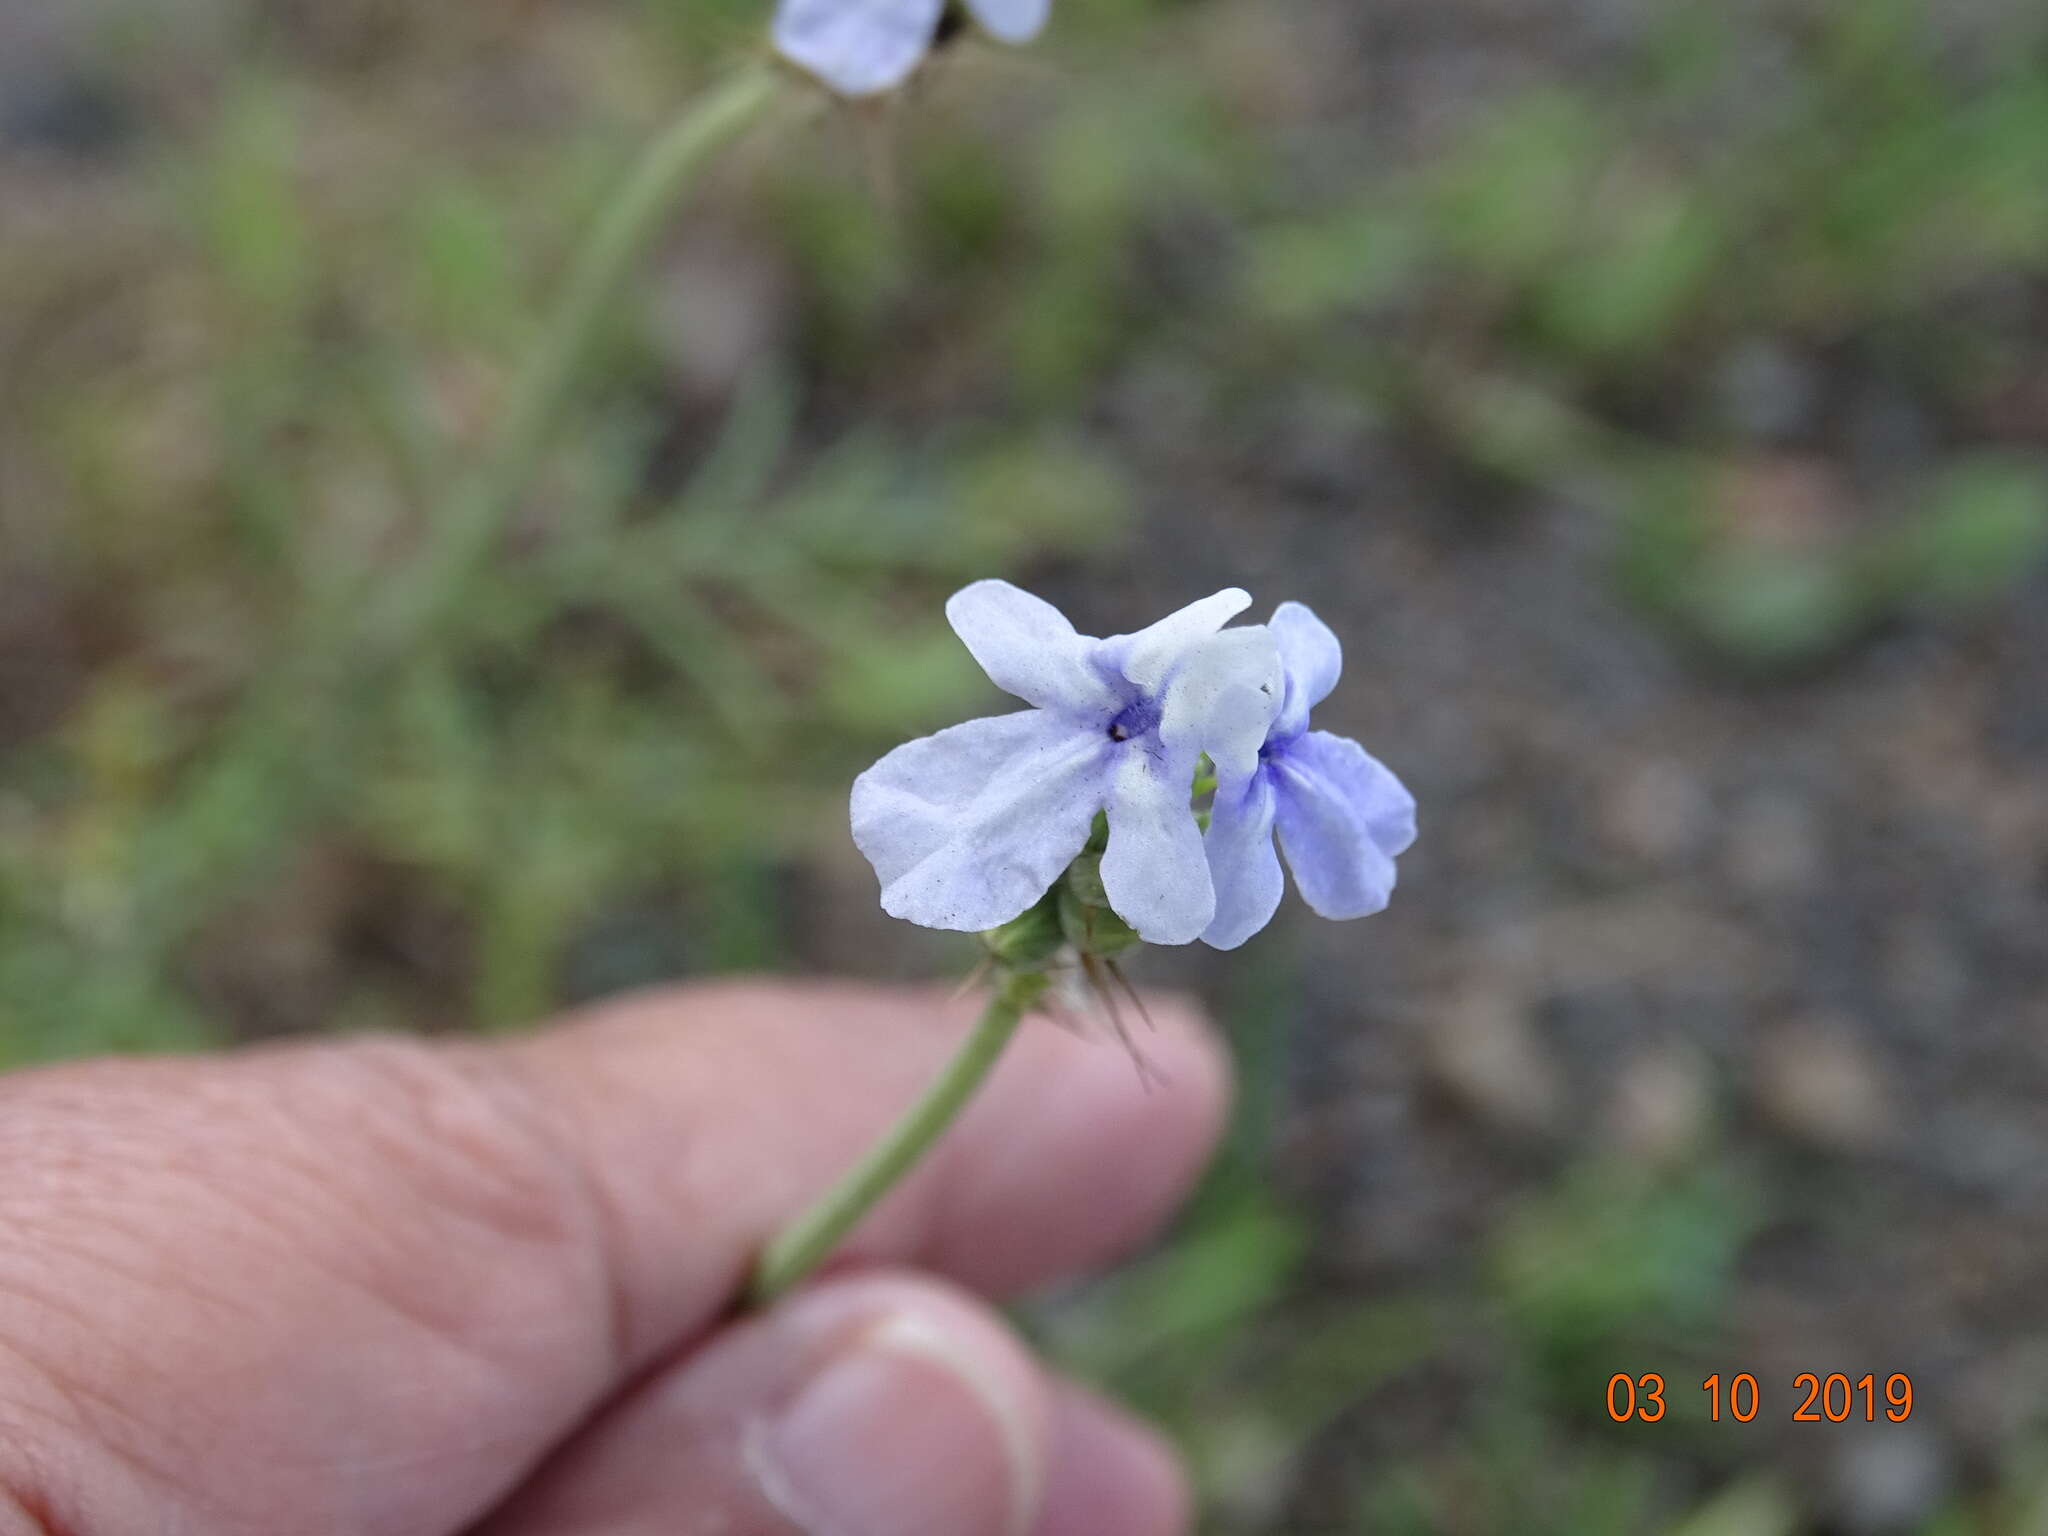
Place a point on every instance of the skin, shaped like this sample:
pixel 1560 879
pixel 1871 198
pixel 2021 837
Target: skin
pixel 410 1289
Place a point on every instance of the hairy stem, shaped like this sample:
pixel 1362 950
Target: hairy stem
pixel 809 1240
pixel 474 514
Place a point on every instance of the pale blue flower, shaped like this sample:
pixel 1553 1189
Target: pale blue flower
pixel 1342 817
pixel 969 827
pixel 863 47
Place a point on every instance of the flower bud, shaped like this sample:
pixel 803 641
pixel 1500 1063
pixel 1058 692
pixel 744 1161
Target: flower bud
pixel 1029 939
pixel 1085 917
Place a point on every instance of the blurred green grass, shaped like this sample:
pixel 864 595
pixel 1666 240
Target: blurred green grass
pixel 248 353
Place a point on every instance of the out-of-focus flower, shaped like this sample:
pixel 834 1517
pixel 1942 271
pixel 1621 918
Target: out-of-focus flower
pixel 1341 815
pixel 969 827
pixel 863 47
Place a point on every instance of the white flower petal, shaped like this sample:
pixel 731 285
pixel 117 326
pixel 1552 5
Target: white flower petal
pixel 1312 660
pixel 1343 817
pixel 1028 648
pixel 1149 656
pixel 1242 863
pixel 1221 698
pixel 858 47
pixel 1154 870
pixel 968 827
pixel 1014 21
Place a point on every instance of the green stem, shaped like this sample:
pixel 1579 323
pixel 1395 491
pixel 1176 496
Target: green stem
pixel 466 525
pixel 800 1247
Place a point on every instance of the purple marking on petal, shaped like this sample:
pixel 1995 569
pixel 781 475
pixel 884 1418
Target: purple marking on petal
pixel 1154 870
pixel 858 47
pixel 1243 865
pixel 1342 818
pixel 968 827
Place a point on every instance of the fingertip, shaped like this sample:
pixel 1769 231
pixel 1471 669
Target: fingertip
pixel 1109 1472
pixel 931 1418
pixel 1082 1151
pixel 884 1404
pixel 1201 1057
pixel 707 1117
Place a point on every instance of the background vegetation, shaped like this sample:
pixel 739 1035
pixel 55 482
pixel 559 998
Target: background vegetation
pixel 1655 397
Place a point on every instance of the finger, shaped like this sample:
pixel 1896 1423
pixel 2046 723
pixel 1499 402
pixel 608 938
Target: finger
pixel 872 1405
pixel 706 1122
pixel 1109 1473
pixel 368 1285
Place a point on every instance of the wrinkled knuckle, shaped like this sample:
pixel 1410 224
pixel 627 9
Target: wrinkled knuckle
pixel 465 1139
pixel 486 1227
pixel 22 1511
pixel 32 1502
pixel 24 1514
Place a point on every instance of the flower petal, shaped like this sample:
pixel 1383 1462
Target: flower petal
pixel 1313 661
pixel 1342 816
pixel 1014 21
pixel 1154 870
pixel 1147 657
pixel 858 47
pixel 1242 864
pixel 1221 698
pixel 1028 648
pixel 969 827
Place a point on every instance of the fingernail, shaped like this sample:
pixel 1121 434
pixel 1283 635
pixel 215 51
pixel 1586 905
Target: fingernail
pixel 908 1432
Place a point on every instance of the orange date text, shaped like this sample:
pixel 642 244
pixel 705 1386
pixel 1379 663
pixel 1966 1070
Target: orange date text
pixel 1834 1398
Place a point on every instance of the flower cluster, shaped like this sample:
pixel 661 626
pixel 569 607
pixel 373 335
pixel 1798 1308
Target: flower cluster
pixel 864 47
pixel 972 826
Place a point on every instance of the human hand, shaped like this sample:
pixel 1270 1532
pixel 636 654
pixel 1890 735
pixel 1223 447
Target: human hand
pixel 407 1289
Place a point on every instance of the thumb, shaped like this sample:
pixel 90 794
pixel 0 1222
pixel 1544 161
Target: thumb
pixel 879 1405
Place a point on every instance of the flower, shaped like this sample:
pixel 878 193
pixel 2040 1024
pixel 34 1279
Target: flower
pixel 969 827
pixel 1341 815
pixel 862 47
